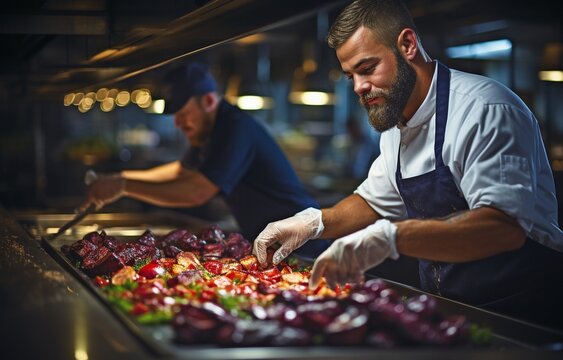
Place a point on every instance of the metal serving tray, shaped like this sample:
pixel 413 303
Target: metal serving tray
pixel 510 336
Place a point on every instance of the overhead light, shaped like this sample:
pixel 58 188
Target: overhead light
pixel 156 107
pixel 103 54
pixel 254 102
pixel 250 97
pixel 251 39
pixel 552 63
pixel 112 93
pixel 316 98
pixel 496 49
pixel 107 104
pixel 68 99
pixel 312 83
pixel 122 98
pixel 311 89
pixel 101 94
pixel 551 75
pixel 77 98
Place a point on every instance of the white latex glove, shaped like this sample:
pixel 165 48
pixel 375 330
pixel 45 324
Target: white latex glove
pixel 290 233
pixel 103 189
pixel 346 260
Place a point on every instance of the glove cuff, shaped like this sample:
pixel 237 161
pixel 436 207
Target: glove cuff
pixel 315 216
pixel 390 230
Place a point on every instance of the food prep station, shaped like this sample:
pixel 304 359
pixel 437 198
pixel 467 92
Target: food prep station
pixel 50 307
pixel 51 310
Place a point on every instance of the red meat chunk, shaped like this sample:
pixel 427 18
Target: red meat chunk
pixel 101 262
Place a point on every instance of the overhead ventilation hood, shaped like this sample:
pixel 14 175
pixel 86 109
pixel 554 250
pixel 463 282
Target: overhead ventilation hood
pixel 213 23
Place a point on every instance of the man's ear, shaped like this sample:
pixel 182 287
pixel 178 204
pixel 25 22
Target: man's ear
pixel 209 101
pixel 407 43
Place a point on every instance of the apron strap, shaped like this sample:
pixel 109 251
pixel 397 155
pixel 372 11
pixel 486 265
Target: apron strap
pixel 442 100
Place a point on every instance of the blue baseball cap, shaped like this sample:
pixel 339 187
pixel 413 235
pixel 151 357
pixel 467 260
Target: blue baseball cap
pixel 184 82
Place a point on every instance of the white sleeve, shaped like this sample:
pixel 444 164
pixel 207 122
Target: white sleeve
pixel 498 155
pixel 380 191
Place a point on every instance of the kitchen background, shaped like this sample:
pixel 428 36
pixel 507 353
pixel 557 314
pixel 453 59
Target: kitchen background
pixel 69 71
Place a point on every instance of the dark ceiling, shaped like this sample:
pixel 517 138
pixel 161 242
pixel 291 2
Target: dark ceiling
pixel 55 46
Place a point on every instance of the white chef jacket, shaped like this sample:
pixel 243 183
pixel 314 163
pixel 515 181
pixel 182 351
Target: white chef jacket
pixel 493 147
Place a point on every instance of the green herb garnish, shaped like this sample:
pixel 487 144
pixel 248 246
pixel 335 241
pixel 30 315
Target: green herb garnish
pixel 140 263
pixel 480 335
pixel 156 317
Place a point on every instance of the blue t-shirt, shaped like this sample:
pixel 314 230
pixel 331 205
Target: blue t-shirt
pixel 255 177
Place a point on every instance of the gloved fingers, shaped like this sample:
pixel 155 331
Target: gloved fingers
pixel 317 272
pixel 89 202
pixel 282 252
pixel 260 249
pixel 99 204
pixel 85 205
pixel 263 241
pixel 336 276
pixel 90 177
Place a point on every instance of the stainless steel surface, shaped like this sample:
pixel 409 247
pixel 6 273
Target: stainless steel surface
pixel 77 218
pixel 47 313
pixel 63 317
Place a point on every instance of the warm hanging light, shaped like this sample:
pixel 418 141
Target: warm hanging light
pixel 156 107
pixel 311 84
pixel 107 105
pixel 552 63
pixel 254 102
pixel 315 98
pixel 68 99
pixel 86 104
pixel 101 94
pixel 144 99
pixel 312 89
pixel 247 97
pixel 110 98
pixel 77 98
pixel 112 93
pixel 122 98
pixel 551 75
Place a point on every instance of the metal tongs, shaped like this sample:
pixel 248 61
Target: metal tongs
pixel 88 179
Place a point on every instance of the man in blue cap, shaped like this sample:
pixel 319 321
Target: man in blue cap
pixel 230 154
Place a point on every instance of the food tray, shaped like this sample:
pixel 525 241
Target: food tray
pixel 507 333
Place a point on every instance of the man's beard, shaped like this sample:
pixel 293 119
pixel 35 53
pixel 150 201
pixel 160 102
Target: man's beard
pixel 387 115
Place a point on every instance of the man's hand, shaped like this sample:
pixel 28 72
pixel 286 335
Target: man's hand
pixel 103 189
pixel 346 260
pixel 290 233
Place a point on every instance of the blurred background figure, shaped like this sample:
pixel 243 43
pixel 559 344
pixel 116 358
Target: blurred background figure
pixel 363 148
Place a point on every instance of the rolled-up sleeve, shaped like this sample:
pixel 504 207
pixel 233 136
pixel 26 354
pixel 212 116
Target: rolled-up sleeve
pixel 380 191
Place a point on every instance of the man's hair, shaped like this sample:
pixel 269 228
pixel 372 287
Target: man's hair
pixel 385 18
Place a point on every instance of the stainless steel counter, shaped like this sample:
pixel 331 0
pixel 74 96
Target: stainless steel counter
pixel 49 313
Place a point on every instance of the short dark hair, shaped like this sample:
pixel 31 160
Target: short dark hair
pixel 385 18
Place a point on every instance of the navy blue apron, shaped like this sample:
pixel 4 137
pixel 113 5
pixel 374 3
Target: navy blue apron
pixel 509 282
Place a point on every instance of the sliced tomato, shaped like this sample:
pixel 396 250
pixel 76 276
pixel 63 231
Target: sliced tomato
pixel 250 263
pixel 221 281
pixel 152 270
pixel 237 276
pixel 247 289
pixel 167 263
pixel 213 266
pixel 100 281
pixel 286 269
pixel 207 295
pixel 272 274
pixel 295 278
pixel 139 309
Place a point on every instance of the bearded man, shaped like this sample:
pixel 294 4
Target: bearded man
pixel 463 182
